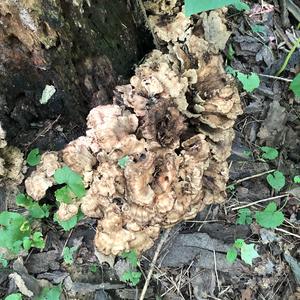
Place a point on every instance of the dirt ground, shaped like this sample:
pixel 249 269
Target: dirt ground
pixel 191 261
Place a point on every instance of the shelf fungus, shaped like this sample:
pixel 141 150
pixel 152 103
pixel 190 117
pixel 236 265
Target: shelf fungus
pixel 157 155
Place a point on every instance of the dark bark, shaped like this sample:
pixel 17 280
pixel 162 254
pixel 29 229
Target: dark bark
pixel 77 46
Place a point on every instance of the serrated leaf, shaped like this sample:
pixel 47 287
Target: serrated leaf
pixel 248 253
pixel 34 157
pixel 239 243
pixel 131 277
pixel 15 296
pixel 72 179
pixel 270 217
pixel 231 255
pixel 269 152
pixel 52 293
pixel 63 195
pixel 244 216
pixel 249 81
pixel 296 179
pixel 276 180
pixel 131 256
pixel 195 6
pixel 68 254
pixel 23 200
pixel 39 212
pixel 123 162
pixel 295 85
pixel 13 228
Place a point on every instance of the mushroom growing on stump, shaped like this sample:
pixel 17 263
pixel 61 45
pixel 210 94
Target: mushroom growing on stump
pixel 157 155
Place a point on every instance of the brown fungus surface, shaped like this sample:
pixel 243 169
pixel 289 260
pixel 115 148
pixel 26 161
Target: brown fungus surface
pixel 171 128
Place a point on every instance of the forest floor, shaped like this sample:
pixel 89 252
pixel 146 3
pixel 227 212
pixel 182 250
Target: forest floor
pixel 192 261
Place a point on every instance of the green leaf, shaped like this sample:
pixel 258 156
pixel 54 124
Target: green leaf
pixel 276 180
pixel 248 253
pixel 68 254
pixel 123 162
pixel 131 277
pixel 27 243
pixel 270 217
pixel 94 268
pixel 3 261
pixel 295 85
pixel 239 243
pixel 258 28
pixel 231 187
pixel 131 256
pixel 230 52
pixel 231 255
pixel 34 157
pixel 296 179
pixel 196 6
pixel 269 152
pixel 23 200
pixel 13 228
pixel 247 153
pixel 38 241
pixel 244 216
pixel 72 179
pixel 52 293
pixel 64 195
pixel 16 296
pixel 250 82
pixel 69 224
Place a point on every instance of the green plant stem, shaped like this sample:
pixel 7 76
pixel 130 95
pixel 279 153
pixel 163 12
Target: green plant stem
pixel 288 57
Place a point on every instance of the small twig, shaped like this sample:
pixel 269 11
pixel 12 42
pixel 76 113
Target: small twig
pixel 251 177
pixel 276 77
pixel 216 271
pixel 66 242
pixel 287 232
pixel 260 201
pixel 153 263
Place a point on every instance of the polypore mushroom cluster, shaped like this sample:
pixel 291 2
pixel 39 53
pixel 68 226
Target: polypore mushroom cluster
pixel 171 125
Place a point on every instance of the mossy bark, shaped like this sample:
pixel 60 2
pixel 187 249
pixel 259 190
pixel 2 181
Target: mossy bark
pixel 77 46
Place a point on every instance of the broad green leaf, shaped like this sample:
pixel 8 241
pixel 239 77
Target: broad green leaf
pixel 16 296
pixel 72 179
pixel 27 244
pixel 13 228
pixel 195 6
pixel 258 28
pixel 131 277
pixel 51 293
pixel 131 256
pixel 69 224
pixel 249 81
pixel 231 255
pixel 34 157
pixel 248 253
pixel 295 85
pixel 244 216
pixel 296 179
pixel 270 217
pixel 68 254
pixel 239 243
pixel 269 152
pixel 3 261
pixel 23 200
pixel 276 180
pixel 64 195
pixel 123 162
